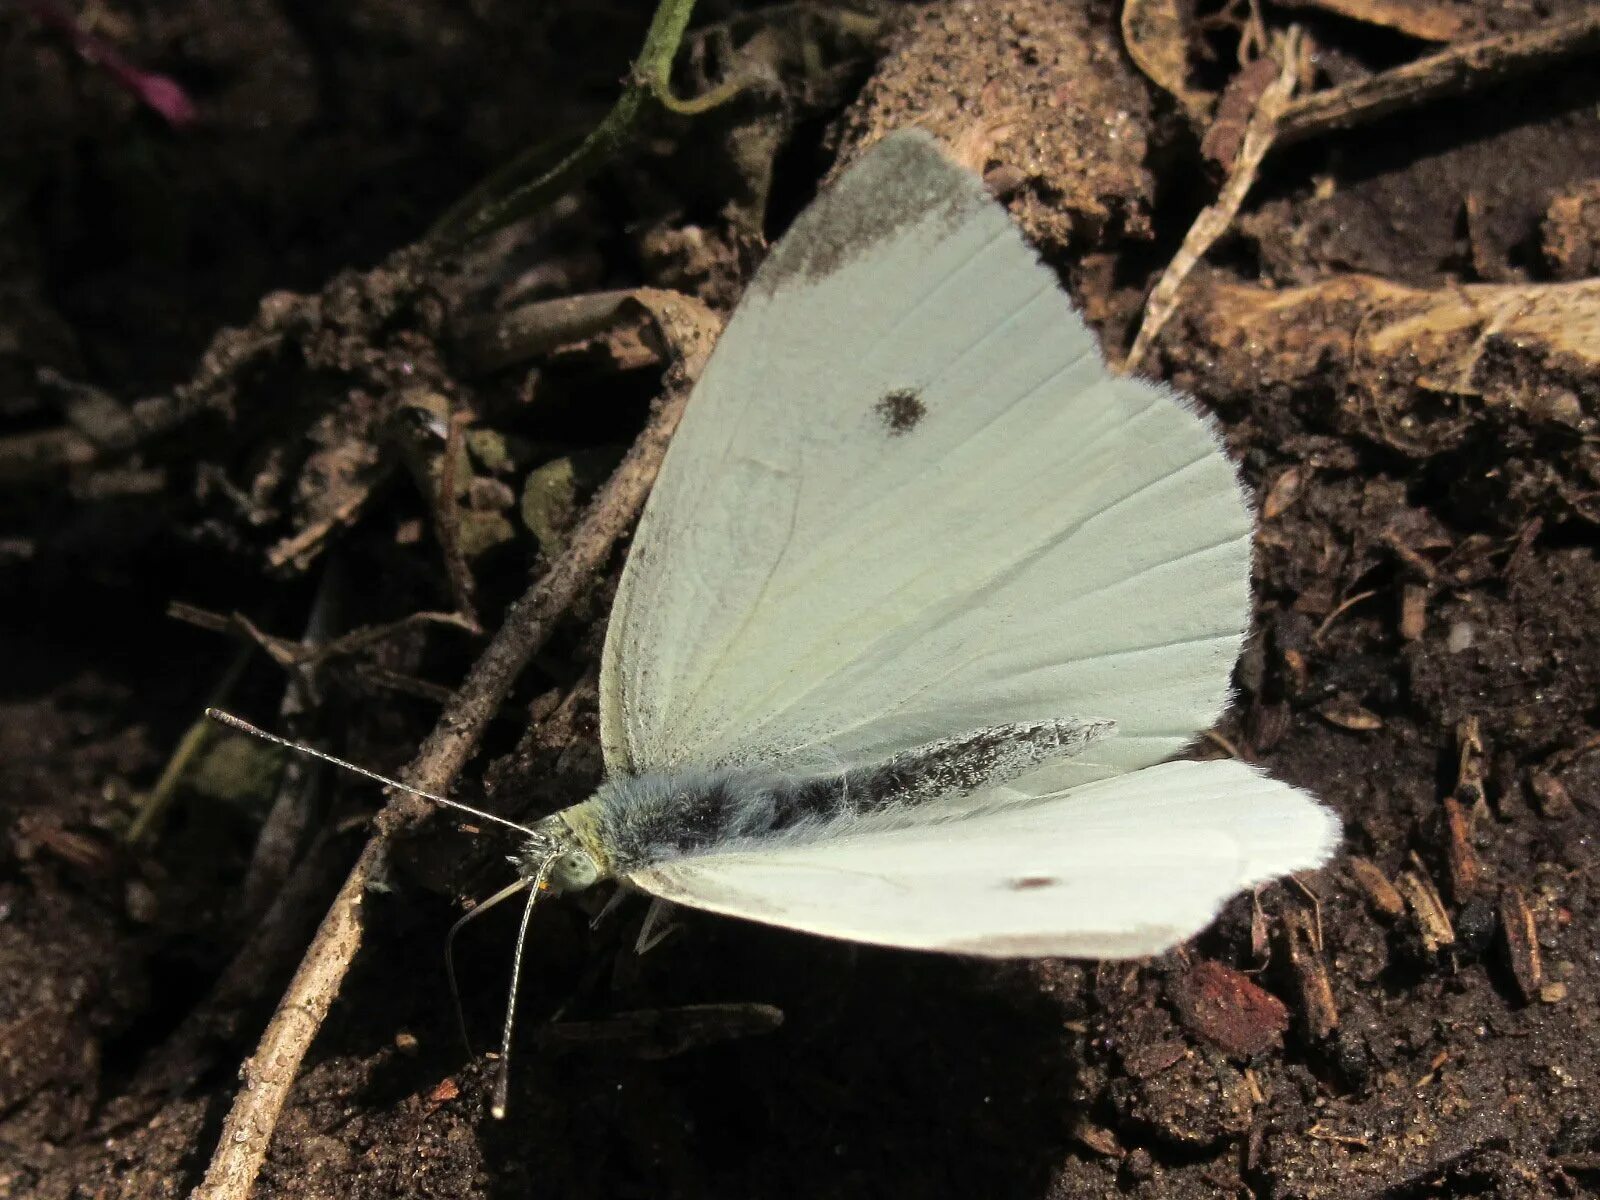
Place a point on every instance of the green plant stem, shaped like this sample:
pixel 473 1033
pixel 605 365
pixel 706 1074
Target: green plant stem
pixel 531 180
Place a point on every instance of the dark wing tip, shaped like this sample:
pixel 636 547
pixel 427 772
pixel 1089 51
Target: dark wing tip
pixel 900 182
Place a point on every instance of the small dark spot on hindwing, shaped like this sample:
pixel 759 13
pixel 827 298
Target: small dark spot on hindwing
pixel 1028 883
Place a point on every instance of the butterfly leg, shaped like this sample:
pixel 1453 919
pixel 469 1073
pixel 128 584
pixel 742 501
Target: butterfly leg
pixel 650 936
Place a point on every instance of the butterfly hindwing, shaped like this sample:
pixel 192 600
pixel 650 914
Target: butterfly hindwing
pixel 1121 868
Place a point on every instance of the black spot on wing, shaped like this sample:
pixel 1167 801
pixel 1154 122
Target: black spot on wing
pixel 1029 883
pixel 901 411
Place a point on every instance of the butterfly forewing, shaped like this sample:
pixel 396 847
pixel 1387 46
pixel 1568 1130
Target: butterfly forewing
pixel 908 498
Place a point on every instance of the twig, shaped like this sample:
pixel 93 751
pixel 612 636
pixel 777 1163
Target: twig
pixel 1214 220
pixel 301 547
pixel 447 523
pixel 1451 72
pixel 1280 121
pixel 375 677
pixel 268 1074
pixel 531 179
pixel 500 339
pixel 287 653
pixel 26 457
pixel 283 832
pixel 1340 609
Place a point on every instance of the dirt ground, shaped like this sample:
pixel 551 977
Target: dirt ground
pixel 219 390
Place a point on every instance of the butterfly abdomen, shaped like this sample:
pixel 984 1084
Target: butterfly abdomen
pixel 657 817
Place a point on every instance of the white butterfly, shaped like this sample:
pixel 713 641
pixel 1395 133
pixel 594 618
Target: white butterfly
pixel 912 549
pixel 922 601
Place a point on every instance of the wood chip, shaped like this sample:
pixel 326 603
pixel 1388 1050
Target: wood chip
pixel 1269 723
pixel 1229 1009
pixel 1466 868
pixel 1282 493
pixel 1260 942
pixel 1570 235
pixel 1522 942
pixel 1097 1139
pixel 1374 884
pixel 1433 921
pixel 1469 770
pixel 1347 714
pixel 1310 973
pixel 1296 671
pixel 1413 611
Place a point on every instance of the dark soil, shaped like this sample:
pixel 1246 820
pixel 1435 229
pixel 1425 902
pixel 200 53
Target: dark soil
pixel 217 387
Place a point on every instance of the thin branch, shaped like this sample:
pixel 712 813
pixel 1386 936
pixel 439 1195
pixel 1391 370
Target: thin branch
pixel 283 832
pixel 1453 72
pixel 267 1076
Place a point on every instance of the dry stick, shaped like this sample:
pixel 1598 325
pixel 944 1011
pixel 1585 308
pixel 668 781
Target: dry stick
pixel 1451 72
pixel 1215 218
pixel 284 829
pixel 267 1076
pixel 447 522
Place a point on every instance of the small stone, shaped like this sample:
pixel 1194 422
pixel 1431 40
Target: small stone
pixel 1139 1167
pixel 1553 992
pixel 1570 237
pixel 139 900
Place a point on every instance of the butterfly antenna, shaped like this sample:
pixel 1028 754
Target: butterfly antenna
pixel 477 910
pixel 242 726
pixel 502 1082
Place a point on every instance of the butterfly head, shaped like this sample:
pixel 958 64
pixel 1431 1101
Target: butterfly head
pixel 556 857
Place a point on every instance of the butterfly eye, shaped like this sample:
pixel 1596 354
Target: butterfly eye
pixel 572 871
